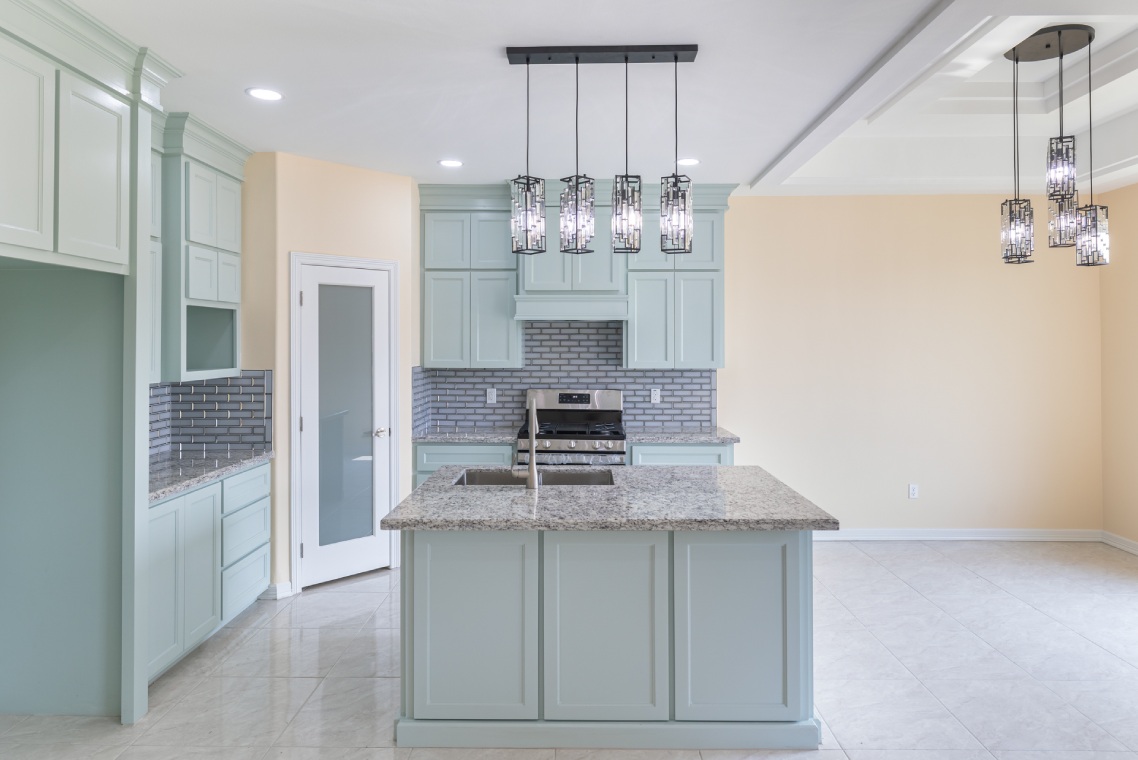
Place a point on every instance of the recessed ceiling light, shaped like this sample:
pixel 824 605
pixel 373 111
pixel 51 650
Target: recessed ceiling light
pixel 688 161
pixel 450 163
pixel 260 93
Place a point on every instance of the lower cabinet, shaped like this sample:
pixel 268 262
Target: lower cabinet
pixel 431 456
pixel 678 454
pixel 208 561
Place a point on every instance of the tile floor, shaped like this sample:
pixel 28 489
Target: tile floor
pixel 923 651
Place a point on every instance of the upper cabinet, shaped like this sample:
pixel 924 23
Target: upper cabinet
pixel 707 244
pixel 458 240
pixel 27 149
pixel 600 271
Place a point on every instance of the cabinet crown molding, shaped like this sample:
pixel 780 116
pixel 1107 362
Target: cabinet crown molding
pixel 189 136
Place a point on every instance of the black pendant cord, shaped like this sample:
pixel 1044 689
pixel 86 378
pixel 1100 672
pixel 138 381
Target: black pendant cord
pixel 626 116
pixel 1015 123
pixel 1091 124
pixel 676 100
pixel 1061 132
pixel 577 116
pixel 527 115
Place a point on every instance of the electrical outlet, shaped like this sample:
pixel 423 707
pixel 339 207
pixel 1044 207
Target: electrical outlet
pixel 655 395
pixel 914 491
pixel 491 395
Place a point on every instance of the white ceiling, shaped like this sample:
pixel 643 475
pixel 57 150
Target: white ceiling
pixel 786 96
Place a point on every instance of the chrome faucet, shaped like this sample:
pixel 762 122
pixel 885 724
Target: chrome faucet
pixel 532 482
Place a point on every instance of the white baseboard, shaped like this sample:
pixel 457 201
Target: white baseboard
pixel 1119 542
pixel 277 591
pixel 965 534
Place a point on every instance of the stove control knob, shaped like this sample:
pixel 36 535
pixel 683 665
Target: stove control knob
pixel 547 444
pixel 596 444
pixel 572 444
pixel 608 444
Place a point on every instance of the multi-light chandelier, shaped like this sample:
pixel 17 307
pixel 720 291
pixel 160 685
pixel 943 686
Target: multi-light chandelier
pixel 1069 224
pixel 578 198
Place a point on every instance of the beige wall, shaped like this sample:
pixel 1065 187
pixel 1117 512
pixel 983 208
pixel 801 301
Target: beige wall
pixel 878 341
pixel 300 204
pixel 1120 366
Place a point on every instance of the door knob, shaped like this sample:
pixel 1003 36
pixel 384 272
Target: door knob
pixel 381 432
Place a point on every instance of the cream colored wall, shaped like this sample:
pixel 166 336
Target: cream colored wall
pixel 877 341
pixel 332 209
pixel 1120 366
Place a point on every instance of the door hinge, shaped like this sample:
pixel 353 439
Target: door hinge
pixel 302 298
pixel 302 424
pixel 302 551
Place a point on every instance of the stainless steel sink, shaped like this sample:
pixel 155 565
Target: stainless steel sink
pixel 570 478
pixel 545 478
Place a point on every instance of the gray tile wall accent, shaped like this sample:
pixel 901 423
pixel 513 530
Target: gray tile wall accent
pixel 420 398
pixel 565 355
pixel 222 414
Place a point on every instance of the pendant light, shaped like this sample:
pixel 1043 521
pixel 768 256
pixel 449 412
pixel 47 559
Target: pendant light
pixel 627 212
pixel 577 199
pixel 1092 230
pixel 527 196
pixel 1062 197
pixel 676 218
pixel 1017 227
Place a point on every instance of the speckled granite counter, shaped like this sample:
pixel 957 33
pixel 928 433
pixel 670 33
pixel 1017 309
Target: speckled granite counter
pixel 173 473
pixel 641 498
pixel 635 435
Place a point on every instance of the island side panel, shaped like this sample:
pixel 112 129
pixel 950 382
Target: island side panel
pixel 606 625
pixel 743 628
pixel 475 621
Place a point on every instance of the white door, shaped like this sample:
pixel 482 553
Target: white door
pixel 346 413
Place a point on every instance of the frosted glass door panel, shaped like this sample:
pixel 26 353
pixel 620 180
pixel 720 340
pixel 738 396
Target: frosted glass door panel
pixel 346 382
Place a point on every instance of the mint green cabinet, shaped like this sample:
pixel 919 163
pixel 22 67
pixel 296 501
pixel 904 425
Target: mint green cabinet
pixel 165 635
pixel 675 320
pixel 446 240
pixel 228 214
pixel 468 319
pixel 707 243
pixel 742 625
pixel 475 617
pixel 605 625
pixel 201 561
pixel 431 456
pixel 490 244
pixel 244 581
pixel 601 271
pixel 94 172
pixel 681 454
pixel 201 204
pixel 27 148
pixel 155 252
pixel 201 273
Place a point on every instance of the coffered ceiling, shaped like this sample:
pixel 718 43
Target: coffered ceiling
pixel 786 96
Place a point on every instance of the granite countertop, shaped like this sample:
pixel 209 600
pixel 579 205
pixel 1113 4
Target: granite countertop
pixel 175 472
pixel 635 435
pixel 642 498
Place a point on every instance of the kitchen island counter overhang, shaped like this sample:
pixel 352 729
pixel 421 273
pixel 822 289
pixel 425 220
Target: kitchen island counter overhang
pixel 671 609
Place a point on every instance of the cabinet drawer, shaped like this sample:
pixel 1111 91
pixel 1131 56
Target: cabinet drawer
pixel 245 488
pixel 201 273
pixel 432 456
pixel 245 530
pixel 647 453
pixel 242 583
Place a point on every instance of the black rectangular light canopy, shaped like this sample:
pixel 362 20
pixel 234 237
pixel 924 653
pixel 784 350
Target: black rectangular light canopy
pixel 603 54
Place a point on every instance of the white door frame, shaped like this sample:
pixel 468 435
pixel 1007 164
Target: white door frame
pixel 297 260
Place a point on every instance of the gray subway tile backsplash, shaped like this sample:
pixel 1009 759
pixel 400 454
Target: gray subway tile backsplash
pixel 563 355
pixel 219 414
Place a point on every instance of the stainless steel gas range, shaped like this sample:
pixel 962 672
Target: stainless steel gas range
pixel 575 427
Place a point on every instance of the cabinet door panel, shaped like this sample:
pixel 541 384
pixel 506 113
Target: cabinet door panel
pixel 735 660
pixel 475 622
pixel 156 311
pixel 201 273
pixel 706 244
pixel 601 270
pixel 496 337
pixel 27 149
pixel 164 579
pixel 201 204
pixel 650 256
pixel 446 319
pixel 228 277
pixel 202 563
pixel 228 214
pixel 668 454
pixel 431 456
pixel 649 334
pixel 552 270
pixel 244 581
pixel 446 240
pixel 155 194
pixel 244 530
pixel 94 172
pixel 699 320
pixel 490 241
pixel 606 625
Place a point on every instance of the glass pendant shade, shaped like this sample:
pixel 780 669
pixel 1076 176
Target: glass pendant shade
pixel 627 214
pixel 578 217
pixel 527 220
pixel 1061 167
pixel 677 222
pixel 1017 231
pixel 1092 236
pixel 1061 221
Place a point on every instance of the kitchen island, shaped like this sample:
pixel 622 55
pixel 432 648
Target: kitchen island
pixel 669 609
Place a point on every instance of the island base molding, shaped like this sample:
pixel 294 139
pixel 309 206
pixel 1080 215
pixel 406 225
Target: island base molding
pixel 805 734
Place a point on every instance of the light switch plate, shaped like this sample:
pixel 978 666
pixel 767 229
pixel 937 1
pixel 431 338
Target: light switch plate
pixel 655 395
pixel 491 395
